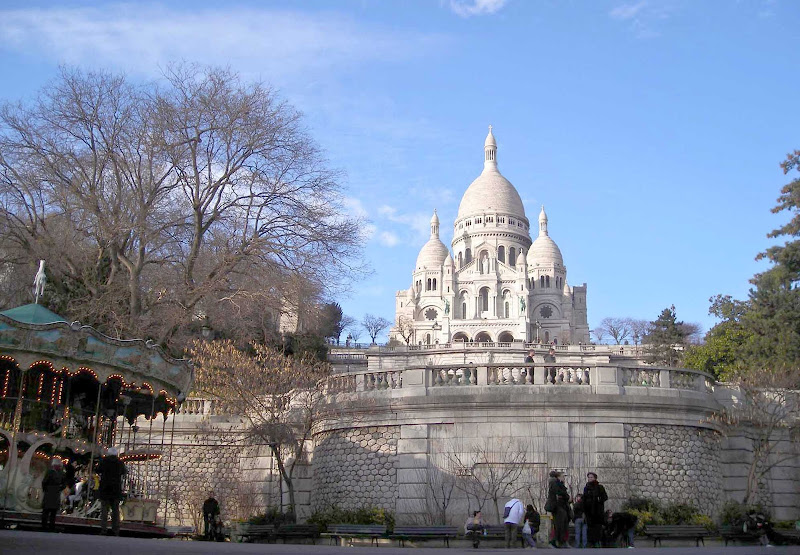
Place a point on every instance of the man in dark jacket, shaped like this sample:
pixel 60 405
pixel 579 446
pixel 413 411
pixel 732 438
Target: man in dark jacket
pixel 52 485
pixel 594 499
pixel 111 471
pixel 620 526
pixel 210 514
pixel 558 505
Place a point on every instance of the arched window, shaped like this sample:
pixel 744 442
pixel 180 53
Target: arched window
pixel 467 256
pixel 427 339
pixel 460 260
pixel 428 285
pixel 547 337
pixel 547 281
pixel 541 281
pixel 434 284
pixel 506 310
pixel 484 299
pixel 501 254
pixel 512 256
pixel 464 310
pixel 533 283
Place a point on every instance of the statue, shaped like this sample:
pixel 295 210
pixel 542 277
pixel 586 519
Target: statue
pixel 39 282
pixel 522 305
pixel 446 307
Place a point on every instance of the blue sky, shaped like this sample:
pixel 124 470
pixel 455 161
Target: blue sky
pixel 650 130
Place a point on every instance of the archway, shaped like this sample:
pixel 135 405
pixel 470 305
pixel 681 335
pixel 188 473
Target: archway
pixel 460 337
pixel 505 337
pixel 483 337
pixel 483 299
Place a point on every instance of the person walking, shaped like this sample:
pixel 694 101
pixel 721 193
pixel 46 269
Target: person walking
pixel 531 527
pixel 558 505
pixel 53 484
pixel 513 513
pixel 210 514
pixel 581 527
pixel 111 471
pixel 594 499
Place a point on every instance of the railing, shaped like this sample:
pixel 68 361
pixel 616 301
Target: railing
pixel 616 350
pixel 194 406
pixel 604 378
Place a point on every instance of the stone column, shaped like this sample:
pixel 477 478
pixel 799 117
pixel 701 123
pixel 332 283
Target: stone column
pixel 412 463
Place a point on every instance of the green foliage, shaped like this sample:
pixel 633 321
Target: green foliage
pixel 330 321
pixel 273 515
pixel 363 515
pixel 650 511
pixel 305 344
pixel 665 339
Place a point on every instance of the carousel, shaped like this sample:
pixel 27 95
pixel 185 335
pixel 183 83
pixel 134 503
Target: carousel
pixel 68 391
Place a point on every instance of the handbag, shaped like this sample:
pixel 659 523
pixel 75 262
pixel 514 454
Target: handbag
pixel 527 528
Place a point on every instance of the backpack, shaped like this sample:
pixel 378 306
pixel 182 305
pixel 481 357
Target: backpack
pixel 507 510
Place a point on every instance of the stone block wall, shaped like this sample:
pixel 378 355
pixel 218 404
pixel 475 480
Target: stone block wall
pixel 676 464
pixel 356 467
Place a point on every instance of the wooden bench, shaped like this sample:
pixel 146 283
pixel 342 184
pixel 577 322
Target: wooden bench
pixel 731 533
pixel 246 532
pixel 182 532
pixel 298 531
pixel 403 533
pixel 351 531
pixel 678 531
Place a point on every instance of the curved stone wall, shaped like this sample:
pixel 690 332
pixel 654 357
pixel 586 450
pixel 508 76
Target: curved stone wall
pixel 355 467
pixel 675 464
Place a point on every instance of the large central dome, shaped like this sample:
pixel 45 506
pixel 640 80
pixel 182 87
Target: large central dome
pixel 491 192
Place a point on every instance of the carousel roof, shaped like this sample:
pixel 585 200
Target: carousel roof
pixel 33 314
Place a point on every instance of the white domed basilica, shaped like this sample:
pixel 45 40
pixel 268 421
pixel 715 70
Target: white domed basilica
pixel 497 285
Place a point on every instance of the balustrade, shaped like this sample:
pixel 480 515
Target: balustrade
pixel 643 377
pixel 682 380
pixel 382 380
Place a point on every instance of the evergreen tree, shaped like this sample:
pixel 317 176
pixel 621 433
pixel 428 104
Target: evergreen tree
pixel 666 339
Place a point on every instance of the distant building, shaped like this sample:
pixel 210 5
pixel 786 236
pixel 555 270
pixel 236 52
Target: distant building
pixel 497 285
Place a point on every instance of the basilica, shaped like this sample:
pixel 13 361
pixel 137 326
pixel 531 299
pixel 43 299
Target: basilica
pixel 496 285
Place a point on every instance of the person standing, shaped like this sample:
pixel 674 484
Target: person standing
pixel 210 514
pixel 513 513
pixel 52 485
pixel 111 471
pixel 594 499
pixel 532 523
pixel 550 371
pixel 558 504
pixel 580 522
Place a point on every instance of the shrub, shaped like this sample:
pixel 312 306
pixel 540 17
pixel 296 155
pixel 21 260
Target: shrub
pixel 641 504
pixel 273 515
pixel 678 513
pixel 362 515
pixel 644 517
pixel 703 520
pixel 733 512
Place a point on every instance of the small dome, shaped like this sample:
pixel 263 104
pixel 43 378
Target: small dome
pixel 521 260
pixel 449 260
pixel 435 218
pixel 490 139
pixel 432 254
pixel 545 251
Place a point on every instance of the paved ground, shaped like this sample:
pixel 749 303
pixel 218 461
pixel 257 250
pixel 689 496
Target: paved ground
pixel 12 541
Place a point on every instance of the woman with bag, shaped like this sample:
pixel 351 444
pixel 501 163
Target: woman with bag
pixel 473 528
pixel 531 527
pixel 558 506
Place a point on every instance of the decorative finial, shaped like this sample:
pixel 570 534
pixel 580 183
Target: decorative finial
pixel 490 128
pixel 39 282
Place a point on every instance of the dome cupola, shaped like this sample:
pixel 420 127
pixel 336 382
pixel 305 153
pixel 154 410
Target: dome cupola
pixel 544 250
pixel 434 252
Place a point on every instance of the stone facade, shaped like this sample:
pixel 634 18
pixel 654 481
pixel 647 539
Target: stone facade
pixel 676 464
pixel 356 467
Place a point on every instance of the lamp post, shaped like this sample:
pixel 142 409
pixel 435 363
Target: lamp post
pixel 538 327
pixel 436 328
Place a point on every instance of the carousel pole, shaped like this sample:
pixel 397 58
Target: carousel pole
pixel 90 481
pixel 149 442
pixel 169 466
pixel 161 458
pixel 13 445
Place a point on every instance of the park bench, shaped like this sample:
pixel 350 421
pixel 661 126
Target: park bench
pixel 403 533
pixel 348 532
pixel 297 531
pixel 246 532
pixel 678 531
pixel 182 532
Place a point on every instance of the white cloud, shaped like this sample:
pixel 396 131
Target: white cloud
pixel 388 239
pixel 142 38
pixel 468 8
pixel 625 12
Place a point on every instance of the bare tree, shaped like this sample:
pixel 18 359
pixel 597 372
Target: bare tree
pixel 639 329
pixel 692 331
pixel 279 398
pixel 161 207
pixel 599 334
pixel 405 327
pixel 618 328
pixel 491 470
pixel 374 325
pixel 439 486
